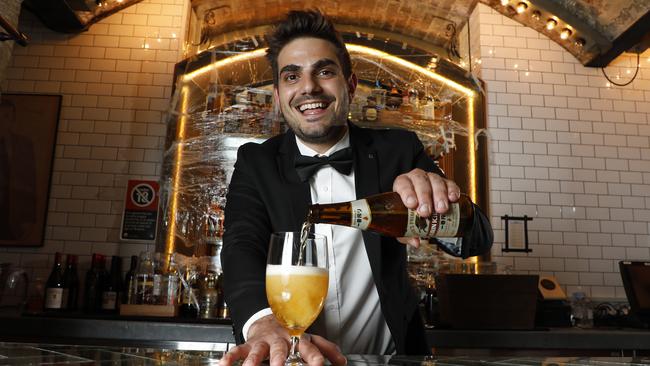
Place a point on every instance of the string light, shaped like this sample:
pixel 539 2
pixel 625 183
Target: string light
pixel 566 33
pixel 551 23
pixel 537 15
pixel 521 7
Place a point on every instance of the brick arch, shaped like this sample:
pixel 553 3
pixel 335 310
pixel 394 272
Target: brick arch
pixel 427 21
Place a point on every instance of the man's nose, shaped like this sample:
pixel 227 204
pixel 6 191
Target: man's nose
pixel 311 85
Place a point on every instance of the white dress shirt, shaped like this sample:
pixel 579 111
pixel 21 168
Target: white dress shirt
pixel 351 316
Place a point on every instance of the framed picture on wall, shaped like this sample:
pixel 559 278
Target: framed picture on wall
pixel 28 125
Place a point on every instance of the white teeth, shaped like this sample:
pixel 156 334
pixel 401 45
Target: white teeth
pixel 307 106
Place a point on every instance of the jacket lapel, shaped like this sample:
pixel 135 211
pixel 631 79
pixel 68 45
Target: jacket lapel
pixel 298 193
pixel 366 180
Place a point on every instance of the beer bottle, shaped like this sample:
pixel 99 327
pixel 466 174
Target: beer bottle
pixel 54 286
pixel 386 214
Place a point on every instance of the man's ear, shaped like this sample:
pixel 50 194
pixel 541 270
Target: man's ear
pixel 352 85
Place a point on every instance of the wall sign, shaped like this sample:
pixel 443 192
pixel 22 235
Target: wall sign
pixel 140 216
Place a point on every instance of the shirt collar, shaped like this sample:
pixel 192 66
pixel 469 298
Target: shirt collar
pixel 340 145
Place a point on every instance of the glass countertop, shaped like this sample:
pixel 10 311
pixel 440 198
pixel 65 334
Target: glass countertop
pixel 16 354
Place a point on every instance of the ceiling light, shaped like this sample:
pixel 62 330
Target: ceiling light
pixel 521 7
pixel 580 42
pixel 551 23
pixel 537 15
pixel 566 33
pixel 505 2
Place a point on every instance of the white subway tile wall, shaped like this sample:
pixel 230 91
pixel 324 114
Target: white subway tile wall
pixel 116 81
pixel 569 150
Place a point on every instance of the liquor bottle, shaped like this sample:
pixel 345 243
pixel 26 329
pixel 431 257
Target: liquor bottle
pixel 54 286
pixel 144 279
pixel 93 285
pixel 190 292
pixel 129 282
pixel 112 288
pixel 386 214
pixel 369 111
pixel 70 283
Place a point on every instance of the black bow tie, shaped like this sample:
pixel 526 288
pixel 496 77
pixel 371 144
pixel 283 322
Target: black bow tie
pixel 306 166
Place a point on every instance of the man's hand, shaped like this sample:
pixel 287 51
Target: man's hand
pixel 426 193
pixel 268 339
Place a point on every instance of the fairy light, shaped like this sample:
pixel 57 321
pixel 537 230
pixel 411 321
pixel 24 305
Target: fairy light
pixel 551 23
pixel 537 15
pixel 566 33
pixel 521 7
pixel 178 161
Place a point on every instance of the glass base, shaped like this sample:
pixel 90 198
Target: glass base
pixel 294 360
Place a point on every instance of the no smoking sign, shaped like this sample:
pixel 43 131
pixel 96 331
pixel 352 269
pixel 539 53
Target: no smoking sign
pixel 140 216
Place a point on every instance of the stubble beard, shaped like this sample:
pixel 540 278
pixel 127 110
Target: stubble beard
pixel 328 134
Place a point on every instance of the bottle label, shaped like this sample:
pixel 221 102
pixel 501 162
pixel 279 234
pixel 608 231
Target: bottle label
pixel 53 298
pixel 109 300
pixel 361 216
pixel 436 225
pixel 65 298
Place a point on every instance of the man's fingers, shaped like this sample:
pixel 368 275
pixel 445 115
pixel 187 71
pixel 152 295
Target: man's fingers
pixel 234 354
pixel 439 191
pixel 258 353
pixel 278 352
pixel 404 187
pixel 309 352
pixel 330 350
pixel 453 190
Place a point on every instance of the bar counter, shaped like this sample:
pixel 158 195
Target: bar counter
pixel 216 335
pixel 48 354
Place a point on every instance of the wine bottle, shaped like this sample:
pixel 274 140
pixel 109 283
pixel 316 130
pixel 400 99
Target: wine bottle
pixel 54 286
pixel 386 214
pixel 129 282
pixel 70 283
pixel 112 286
pixel 93 285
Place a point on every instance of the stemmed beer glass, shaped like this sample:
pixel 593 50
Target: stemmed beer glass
pixel 297 278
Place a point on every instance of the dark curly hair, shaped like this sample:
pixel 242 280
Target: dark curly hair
pixel 305 23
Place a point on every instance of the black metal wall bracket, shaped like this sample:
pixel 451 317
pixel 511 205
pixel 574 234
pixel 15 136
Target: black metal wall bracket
pixel 507 247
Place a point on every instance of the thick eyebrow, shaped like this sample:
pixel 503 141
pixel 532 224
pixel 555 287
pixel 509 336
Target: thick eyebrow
pixel 290 68
pixel 317 65
pixel 324 62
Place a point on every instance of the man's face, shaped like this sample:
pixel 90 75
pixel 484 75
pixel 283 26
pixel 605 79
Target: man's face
pixel 312 92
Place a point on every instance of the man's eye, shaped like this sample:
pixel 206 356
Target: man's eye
pixel 326 73
pixel 290 77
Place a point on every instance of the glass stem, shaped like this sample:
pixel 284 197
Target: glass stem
pixel 294 346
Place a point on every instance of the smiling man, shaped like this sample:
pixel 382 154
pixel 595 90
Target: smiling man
pixel 370 307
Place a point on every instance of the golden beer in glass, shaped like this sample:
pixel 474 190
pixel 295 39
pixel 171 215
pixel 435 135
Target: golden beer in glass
pixel 297 279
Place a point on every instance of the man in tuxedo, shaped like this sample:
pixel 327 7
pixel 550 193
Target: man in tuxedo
pixel 370 306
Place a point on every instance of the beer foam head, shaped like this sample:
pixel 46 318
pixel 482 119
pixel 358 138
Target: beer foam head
pixel 276 269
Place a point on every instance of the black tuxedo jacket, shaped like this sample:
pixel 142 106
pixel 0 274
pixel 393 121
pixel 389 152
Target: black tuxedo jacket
pixel 265 195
